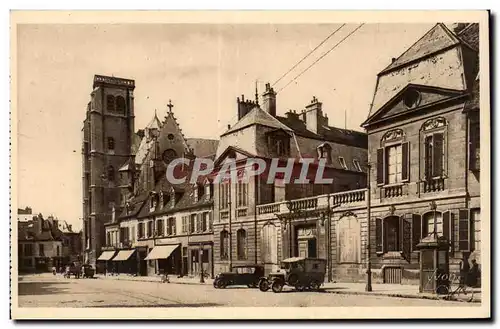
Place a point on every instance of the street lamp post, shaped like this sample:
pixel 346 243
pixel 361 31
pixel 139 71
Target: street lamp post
pixel 368 286
pixel 202 278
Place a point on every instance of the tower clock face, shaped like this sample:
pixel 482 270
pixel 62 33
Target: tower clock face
pixel 169 155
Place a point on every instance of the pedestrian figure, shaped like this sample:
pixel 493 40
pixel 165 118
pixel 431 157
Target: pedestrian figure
pixel 473 274
pixel 464 269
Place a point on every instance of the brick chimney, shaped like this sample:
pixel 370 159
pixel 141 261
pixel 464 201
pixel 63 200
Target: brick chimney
pixel 269 100
pixel 244 106
pixel 314 115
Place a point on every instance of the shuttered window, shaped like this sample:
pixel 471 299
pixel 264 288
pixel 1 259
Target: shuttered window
pixel 393 164
pixel 405 170
pixel 380 166
pixel 416 231
pixel 474 144
pixel 434 155
pixel 464 230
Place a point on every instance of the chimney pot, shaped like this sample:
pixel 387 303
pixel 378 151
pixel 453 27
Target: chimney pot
pixel 243 98
pixel 228 126
pixel 393 60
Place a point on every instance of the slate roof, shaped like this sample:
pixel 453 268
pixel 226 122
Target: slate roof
pixel 327 133
pixel 257 116
pixel 438 38
pixel 203 147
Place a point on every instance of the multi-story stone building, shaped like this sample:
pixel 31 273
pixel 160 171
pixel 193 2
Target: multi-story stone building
pixel 246 228
pixel 423 142
pixel 45 243
pixel 143 224
pixel 423 133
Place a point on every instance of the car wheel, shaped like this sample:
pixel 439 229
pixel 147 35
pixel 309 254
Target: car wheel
pixel 215 284
pixel 264 285
pixel 315 285
pixel 221 284
pixel 277 286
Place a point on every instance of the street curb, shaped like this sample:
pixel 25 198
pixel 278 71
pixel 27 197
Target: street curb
pixel 157 281
pixel 396 295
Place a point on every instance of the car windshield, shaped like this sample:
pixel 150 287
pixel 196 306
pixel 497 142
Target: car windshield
pixel 244 270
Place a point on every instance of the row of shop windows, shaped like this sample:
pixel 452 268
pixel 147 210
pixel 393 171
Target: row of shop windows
pixel 195 223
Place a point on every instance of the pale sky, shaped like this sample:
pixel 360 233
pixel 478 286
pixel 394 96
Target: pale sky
pixel 201 68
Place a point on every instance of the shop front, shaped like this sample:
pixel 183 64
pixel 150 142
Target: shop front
pixel 167 257
pixel 123 262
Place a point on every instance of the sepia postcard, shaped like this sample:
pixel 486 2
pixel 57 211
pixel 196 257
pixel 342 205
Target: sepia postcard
pixel 250 165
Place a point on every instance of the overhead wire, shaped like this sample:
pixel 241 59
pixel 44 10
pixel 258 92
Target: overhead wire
pixel 321 57
pixel 306 56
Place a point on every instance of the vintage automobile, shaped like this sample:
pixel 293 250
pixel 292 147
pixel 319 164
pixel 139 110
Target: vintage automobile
pixel 298 272
pixel 248 274
pixel 75 268
pixel 88 271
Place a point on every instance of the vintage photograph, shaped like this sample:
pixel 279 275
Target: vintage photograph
pixel 230 163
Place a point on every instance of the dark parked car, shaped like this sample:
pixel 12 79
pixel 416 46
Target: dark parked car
pixel 248 275
pixel 88 271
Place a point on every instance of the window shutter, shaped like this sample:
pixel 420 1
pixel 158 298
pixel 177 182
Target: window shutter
pixel 448 228
pixel 416 231
pixel 437 163
pixel 425 228
pixel 428 157
pixel 406 235
pixel 464 230
pixel 405 170
pixel 378 235
pixel 380 166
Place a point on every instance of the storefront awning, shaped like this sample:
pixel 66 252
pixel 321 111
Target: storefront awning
pixel 123 255
pixel 107 255
pixel 161 252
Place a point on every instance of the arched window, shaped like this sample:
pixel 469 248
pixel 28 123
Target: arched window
pixel 224 245
pixel 111 173
pixel 111 143
pixel 269 241
pixel 110 103
pixel 241 244
pixel 120 104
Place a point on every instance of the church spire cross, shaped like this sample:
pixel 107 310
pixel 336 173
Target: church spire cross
pixel 170 105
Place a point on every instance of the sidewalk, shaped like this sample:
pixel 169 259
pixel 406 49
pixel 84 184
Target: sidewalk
pixel 346 288
pixel 157 278
pixel 395 290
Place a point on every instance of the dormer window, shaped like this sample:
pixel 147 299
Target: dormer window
pixel 153 202
pixel 357 165
pixel 343 164
pixel 411 98
pixel 324 151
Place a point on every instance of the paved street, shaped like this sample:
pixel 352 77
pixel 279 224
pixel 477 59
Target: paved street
pixel 49 291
